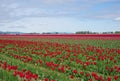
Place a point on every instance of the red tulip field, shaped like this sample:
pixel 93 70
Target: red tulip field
pixel 60 57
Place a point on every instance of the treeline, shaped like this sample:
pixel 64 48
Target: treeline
pixel 83 32
pixel 88 32
pixel 78 32
pixel 117 32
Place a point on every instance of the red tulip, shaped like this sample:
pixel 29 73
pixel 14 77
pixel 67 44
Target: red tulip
pixel 71 76
pixel 46 79
pixel 116 77
pixel 75 71
pixel 87 74
pixel 109 78
pixel 90 79
pixel 81 72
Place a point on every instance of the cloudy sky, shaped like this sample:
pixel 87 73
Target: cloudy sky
pixel 59 15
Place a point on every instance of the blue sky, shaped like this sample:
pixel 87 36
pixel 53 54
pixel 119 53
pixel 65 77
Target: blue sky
pixel 59 15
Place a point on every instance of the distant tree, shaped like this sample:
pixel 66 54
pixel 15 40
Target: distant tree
pixel 117 32
pixel 108 32
pixel 83 32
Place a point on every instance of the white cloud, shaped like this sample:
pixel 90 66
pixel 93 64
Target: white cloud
pixel 8 6
pixel 13 6
pixel 58 1
pixel 97 1
pixel 26 12
pixel 84 1
pixel 13 9
pixel 16 27
pixel 61 24
pixel 38 24
pixel 117 19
